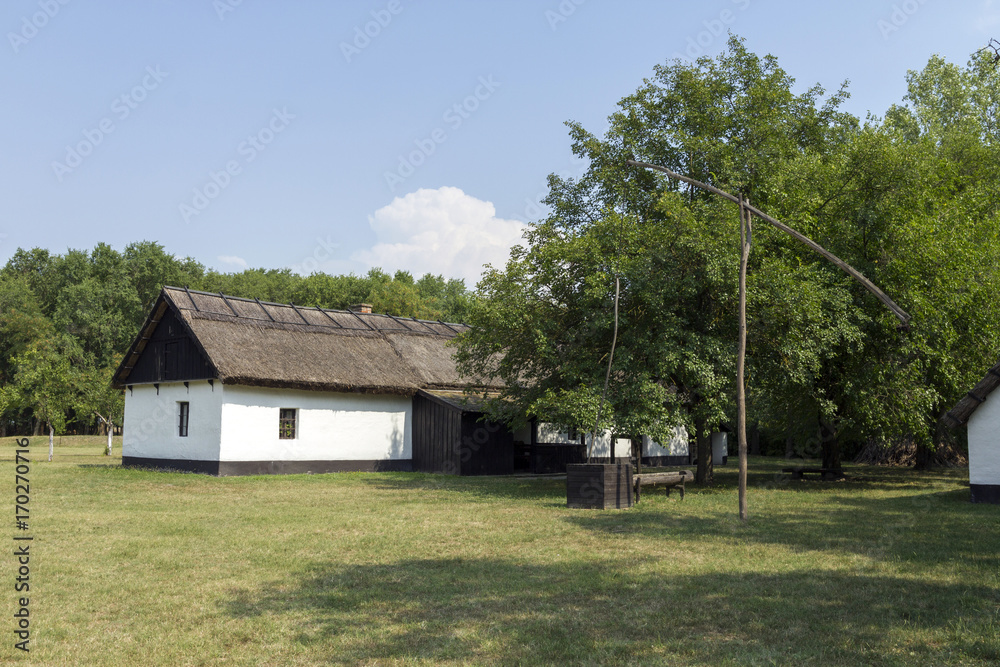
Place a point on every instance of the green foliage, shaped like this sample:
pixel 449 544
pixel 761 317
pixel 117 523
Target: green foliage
pixel 913 202
pixel 543 326
pixel 45 382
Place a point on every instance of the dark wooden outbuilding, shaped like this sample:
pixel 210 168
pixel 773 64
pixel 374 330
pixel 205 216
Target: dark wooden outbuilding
pixel 451 436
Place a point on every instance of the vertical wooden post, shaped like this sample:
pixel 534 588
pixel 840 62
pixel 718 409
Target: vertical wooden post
pixel 607 376
pixel 741 401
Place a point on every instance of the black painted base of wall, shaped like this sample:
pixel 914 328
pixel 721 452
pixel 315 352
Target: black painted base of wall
pixel 235 468
pixel 657 461
pixel 694 461
pixel 986 493
pixel 647 461
pixel 608 459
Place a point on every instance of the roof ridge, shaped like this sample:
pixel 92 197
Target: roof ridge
pixel 255 301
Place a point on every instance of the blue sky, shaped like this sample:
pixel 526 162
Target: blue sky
pixel 337 136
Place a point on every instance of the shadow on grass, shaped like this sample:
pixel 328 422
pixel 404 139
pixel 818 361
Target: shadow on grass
pixel 487 488
pixel 930 529
pixel 768 473
pixel 765 473
pixel 493 610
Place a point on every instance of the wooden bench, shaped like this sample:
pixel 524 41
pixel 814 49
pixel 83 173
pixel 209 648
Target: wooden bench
pixel 668 479
pixel 824 473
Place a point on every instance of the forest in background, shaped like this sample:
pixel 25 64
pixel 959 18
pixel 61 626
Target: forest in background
pixel 66 320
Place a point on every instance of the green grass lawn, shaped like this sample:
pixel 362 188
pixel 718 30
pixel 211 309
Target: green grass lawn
pixel 890 567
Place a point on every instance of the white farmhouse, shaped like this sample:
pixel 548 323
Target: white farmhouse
pixel 228 386
pixel 980 409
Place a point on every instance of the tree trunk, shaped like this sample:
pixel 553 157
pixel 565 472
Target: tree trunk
pixel 830 445
pixel 111 432
pixel 703 438
pixel 755 439
pixel 922 457
pixel 637 452
pixel 52 436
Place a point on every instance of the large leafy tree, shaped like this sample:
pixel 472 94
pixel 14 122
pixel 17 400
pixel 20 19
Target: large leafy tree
pixel 910 201
pixel 733 122
pixel 543 326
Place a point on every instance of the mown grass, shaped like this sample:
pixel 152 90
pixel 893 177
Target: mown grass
pixel 132 567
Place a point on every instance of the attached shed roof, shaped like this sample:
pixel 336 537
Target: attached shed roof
pixel 456 399
pixel 251 342
pixel 960 414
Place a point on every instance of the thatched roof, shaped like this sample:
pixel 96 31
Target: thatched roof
pixel 960 414
pixel 250 342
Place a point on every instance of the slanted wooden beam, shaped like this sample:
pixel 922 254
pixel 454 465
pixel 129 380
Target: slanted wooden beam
pixel 903 316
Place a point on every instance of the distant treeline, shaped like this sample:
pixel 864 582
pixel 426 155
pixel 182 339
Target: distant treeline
pixel 67 320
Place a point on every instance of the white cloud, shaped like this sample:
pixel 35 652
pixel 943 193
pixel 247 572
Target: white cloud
pixel 442 231
pixel 234 260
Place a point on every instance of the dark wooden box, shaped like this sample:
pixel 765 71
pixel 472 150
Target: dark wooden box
pixel 599 485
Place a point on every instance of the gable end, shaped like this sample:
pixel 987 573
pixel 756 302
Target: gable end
pixel 170 354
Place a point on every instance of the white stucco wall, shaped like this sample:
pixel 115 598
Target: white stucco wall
pixel 720 446
pixel 151 421
pixel 984 442
pixel 677 446
pixel 602 445
pixel 331 426
pixel 551 435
